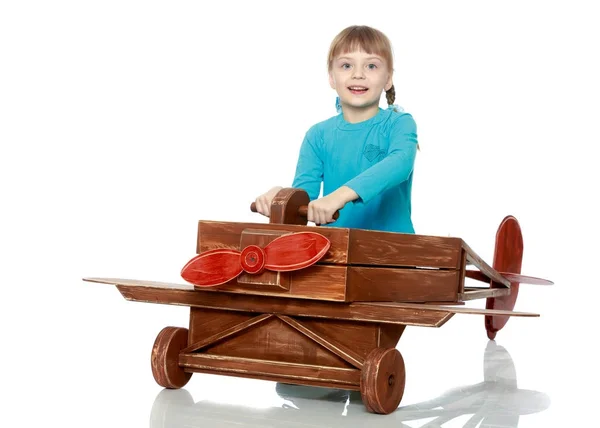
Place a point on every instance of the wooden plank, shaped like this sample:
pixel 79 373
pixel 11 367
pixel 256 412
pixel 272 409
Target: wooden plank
pixel 462 268
pixel 454 310
pixel 270 370
pixel 443 303
pixel 213 234
pixel 184 295
pixel 485 268
pixel 205 323
pixel 394 313
pixel 320 282
pixel 356 283
pixel 389 335
pixel 359 336
pixel 481 293
pixel 276 340
pixel 397 249
pixel 142 283
pixel 317 282
pixel 370 284
pixel 353 246
pixel 338 349
pixel 225 333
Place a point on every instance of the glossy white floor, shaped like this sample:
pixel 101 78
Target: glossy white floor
pixel 497 400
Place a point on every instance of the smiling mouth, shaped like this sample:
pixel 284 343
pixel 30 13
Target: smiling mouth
pixel 357 89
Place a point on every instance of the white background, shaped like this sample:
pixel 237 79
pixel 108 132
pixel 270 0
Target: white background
pixel 123 123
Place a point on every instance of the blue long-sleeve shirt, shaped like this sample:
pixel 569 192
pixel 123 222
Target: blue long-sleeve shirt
pixel 375 158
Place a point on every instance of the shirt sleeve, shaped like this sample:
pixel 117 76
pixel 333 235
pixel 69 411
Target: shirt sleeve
pixel 395 168
pixel 309 169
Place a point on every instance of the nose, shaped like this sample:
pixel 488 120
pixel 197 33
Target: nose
pixel 358 73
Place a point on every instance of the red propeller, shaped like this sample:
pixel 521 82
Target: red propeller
pixel 285 253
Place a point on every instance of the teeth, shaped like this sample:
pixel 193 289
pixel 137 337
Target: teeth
pixel 357 88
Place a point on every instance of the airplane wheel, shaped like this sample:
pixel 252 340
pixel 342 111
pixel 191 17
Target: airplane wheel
pixel 382 380
pixel 165 357
pixel 508 254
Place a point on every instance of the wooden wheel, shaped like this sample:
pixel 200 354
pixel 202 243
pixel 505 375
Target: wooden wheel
pixel 165 357
pixel 508 255
pixel 382 380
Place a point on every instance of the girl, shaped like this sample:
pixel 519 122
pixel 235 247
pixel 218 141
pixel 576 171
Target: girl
pixel 365 155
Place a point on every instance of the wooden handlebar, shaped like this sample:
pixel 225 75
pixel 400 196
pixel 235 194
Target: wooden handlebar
pixel 303 211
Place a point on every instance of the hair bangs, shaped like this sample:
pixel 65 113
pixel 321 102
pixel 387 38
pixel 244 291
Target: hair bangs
pixel 361 38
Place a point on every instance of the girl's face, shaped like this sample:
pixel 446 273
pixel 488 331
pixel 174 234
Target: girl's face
pixel 359 79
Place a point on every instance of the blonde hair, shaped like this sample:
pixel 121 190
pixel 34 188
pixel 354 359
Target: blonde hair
pixel 369 40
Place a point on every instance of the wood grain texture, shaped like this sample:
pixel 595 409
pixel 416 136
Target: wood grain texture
pixel 317 282
pixel 367 247
pixel 213 234
pixel 165 357
pixel 226 333
pixel 342 351
pixel 383 380
pixel 301 374
pixel 402 285
pixel 427 316
pixel 205 323
pixel 353 284
pixel 451 309
pixel 320 282
pixel 348 246
pixel 285 207
pixel 275 340
pixel 360 337
pixel 389 335
pixel 290 206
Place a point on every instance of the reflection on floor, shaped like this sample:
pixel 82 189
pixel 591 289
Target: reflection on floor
pixel 495 402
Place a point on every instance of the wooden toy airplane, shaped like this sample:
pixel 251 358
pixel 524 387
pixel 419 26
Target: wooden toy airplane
pixel 321 306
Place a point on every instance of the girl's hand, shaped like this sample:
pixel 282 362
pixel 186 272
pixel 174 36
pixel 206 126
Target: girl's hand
pixel 321 211
pixel 263 202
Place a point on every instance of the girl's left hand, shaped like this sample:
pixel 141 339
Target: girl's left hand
pixel 321 211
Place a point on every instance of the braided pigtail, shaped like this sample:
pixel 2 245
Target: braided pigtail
pixel 390 96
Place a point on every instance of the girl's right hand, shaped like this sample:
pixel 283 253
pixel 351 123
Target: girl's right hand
pixel 263 202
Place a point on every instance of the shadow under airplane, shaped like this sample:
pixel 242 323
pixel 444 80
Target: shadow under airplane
pixel 495 402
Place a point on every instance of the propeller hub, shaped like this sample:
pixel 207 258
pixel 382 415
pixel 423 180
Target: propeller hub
pixel 253 259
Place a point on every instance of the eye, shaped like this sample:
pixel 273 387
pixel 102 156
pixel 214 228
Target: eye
pixel 346 66
pixel 372 66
